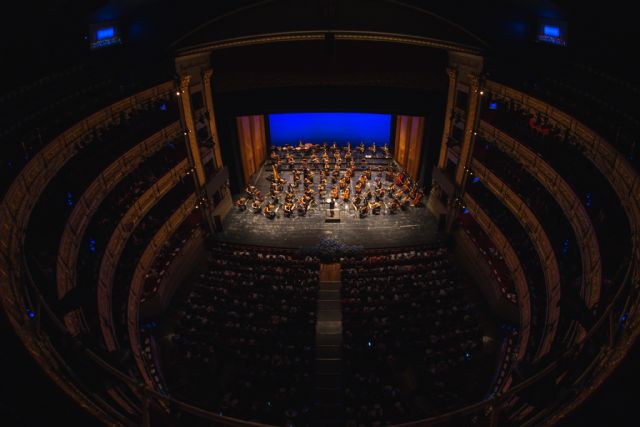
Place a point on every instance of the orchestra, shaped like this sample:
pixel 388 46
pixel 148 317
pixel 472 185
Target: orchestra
pixel 388 192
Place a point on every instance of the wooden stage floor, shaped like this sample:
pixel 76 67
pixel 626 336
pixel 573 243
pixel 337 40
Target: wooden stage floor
pixel 414 226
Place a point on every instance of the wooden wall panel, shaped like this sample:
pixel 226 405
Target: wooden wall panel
pixel 253 143
pixel 408 144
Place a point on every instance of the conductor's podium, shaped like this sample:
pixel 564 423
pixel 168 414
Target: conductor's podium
pixel 332 215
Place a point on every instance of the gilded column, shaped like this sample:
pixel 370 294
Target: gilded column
pixel 448 116
pixel 469 129
pixel 190 129
pixel 213 130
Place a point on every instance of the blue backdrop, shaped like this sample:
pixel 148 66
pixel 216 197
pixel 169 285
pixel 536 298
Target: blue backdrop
pixel 317 128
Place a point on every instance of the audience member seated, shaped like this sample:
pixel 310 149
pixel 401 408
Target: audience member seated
pixel 410 336
pixel 245 335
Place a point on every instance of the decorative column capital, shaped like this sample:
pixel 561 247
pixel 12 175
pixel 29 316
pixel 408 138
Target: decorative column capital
pixel 474 82
pixel 185 81
pixel 206 76
pixel 452 73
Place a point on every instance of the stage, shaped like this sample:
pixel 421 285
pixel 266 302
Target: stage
pixel 413 226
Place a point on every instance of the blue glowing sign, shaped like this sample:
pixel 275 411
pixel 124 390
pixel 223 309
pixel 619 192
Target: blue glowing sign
pixel 493 106
pixel 105 33
pixel 317 128
pixel 551 31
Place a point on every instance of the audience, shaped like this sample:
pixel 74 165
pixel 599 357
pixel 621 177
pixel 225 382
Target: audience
pixel 408 327
pixel 248 328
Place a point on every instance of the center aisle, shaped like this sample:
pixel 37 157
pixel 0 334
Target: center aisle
pixel 329 407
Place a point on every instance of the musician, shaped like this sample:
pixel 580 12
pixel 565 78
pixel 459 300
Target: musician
pixel 385 150
pixel 275 158
pixel 357 200
pixel 289 196
pixel 308 173
pixel 307 183
pixel 309 192
pixel 399 179
pixel 241 203
pixel 394 206
pixel 250 190
pixel 373 149
pixel 380 193
pixel 269 211
pixel 367 173
pixel 417 199
pixel 346 194
pixel 376 207
pixel 256 206
pixel 302 206
pixel 389 175
pixel 405 202
pixel 273 189
pixel 364 210
pixel 288 208
pixel 322 193
pixel 343 183
pixel 334 193
pixel 361 148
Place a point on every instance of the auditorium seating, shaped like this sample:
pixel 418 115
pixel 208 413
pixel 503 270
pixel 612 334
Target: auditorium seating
pixel 168 252
pixel 138 241
pixel 560 149
pixel 116 204
pixel 405 315
pixel 244 339
pixel 527 254
pixel 491 256
pixel 545 208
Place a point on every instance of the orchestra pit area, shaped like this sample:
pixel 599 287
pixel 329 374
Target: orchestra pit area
pixel 360 197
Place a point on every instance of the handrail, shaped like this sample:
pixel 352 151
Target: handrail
pixel 568 201
pixel 20 199
pixel 541 243
pixel 94 196
pixel 137 282
pixel 513 264
pixel 118 241
pixel 611 163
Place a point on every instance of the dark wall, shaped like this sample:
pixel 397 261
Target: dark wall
pixel 329 63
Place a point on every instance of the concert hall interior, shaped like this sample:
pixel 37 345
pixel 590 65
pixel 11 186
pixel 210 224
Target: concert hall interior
pixel 319 213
